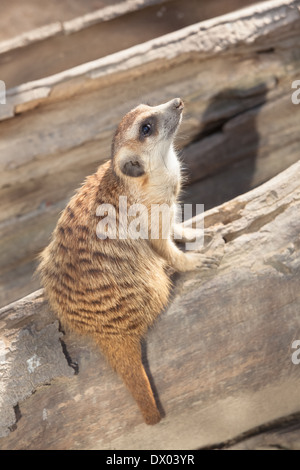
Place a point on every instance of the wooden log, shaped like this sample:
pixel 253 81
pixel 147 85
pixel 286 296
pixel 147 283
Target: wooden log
pixel 250 26
pixel 239 129
pixel 37 24
pixel 66 44
pixel 220 355
pixel 25 17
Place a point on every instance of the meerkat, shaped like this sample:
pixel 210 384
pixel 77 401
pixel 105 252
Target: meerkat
pixel 113 289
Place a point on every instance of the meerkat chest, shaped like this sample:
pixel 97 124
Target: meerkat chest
pixel 165 181
pixel 172 165
pixel 171 176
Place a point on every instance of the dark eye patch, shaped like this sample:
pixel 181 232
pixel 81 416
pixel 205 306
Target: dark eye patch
pixel 148 127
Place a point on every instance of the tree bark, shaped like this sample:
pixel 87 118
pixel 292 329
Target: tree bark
pixel 240 128
pixel 219 357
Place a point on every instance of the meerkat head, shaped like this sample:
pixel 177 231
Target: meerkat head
pixel 143 138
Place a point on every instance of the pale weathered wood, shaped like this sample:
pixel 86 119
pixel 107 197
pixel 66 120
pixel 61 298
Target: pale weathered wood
pixel 240 127
pixel 64 45
pixel 20 17
pixel 58 17
pixel 244 27
pixel 220 355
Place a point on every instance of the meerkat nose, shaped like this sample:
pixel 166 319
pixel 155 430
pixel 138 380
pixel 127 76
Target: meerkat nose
pixel 178 103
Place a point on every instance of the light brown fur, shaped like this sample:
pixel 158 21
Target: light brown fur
pixel 110 289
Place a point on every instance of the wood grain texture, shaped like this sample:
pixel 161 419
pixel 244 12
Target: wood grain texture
pixel 63 45
pixel 219 356
pixel 29 23
pixel 114 27
pixel 19 18
pixel 239 130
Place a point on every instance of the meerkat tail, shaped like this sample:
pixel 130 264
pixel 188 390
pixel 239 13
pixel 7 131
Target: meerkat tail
pixel 124 355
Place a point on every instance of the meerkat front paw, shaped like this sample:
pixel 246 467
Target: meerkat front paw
pixel 195 260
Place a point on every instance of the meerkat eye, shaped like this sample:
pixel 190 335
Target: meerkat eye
pixel 146 129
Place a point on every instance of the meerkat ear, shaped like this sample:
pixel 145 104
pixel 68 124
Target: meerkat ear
pixel 132 166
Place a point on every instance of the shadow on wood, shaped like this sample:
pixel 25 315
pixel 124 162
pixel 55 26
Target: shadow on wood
pixel 221 161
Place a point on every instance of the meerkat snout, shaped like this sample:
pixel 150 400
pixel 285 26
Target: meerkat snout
pixel 178 103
